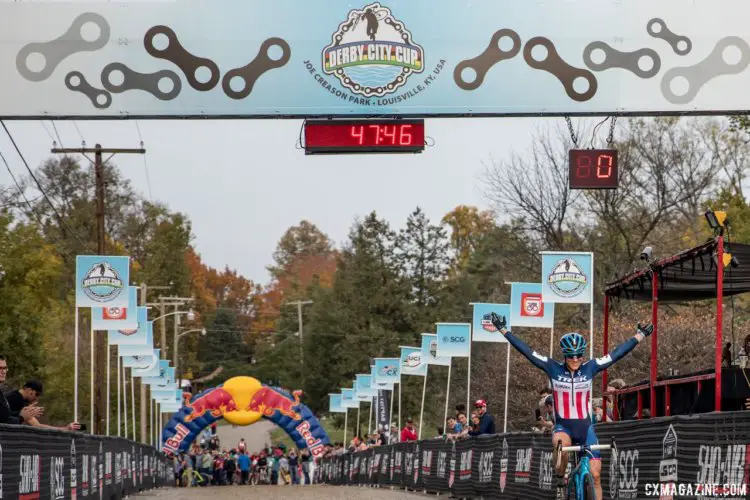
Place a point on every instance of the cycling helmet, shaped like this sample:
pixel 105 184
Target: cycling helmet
pixel 573 344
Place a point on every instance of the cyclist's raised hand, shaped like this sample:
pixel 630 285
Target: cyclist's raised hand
pixel 645 330
pixel 499 322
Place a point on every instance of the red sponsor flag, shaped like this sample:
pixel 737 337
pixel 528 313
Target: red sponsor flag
pixel 532 305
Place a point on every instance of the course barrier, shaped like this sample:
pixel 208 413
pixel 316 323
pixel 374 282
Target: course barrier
pixel 701 456
pixel 41 463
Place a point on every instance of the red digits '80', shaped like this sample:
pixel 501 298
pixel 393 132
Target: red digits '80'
pixel 583 169
pixel 604 166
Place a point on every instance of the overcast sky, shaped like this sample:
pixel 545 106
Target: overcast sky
pixel 243 183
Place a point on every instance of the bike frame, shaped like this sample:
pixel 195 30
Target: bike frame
pixel 581 468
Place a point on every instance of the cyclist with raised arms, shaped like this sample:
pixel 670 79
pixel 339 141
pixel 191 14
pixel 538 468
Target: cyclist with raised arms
pixel 571 390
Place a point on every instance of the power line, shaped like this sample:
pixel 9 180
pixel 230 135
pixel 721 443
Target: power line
pixel 145 163
pixel 54 127
pixel 83 141
pixel 39 186
pixel 51 137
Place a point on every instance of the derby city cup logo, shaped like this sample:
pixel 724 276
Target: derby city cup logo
pixel 487 323
pixel 372 53
pixel 532 305
pixel 567 279
pixel 102 283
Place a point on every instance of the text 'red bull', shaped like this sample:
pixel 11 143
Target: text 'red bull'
pixel 172 445
pixel 215 402
pixel 314 444
pixel 267 401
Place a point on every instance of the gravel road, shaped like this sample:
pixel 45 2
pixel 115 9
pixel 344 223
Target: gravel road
pixel 278 492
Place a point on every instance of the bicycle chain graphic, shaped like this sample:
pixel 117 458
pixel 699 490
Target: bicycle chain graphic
pixel 554 64
pixel 709 68
pixel 255 68
pixel 100 99
pixel 177 54
pixel 625 60
pixel 69 43
pixel 668 36
pixel 148 82
pixel 482 63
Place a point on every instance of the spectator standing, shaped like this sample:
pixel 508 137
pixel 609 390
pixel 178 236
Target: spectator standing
pixel 230 466
pixel 242 446
pixel 243 462
pixel 293 464
pixel 409 432
pixel 284 469
pixel 29 394
pixel 486 422
pixel 305 458
pixel 25 413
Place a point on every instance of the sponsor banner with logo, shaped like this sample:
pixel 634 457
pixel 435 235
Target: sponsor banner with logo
pixel 152 370
pixel 429 351
pixel 363 390
pixel 482 328
pixel 142 334
pixel 102 281
pixel 527 308
pixel 117 318
pixel 169 394
pixel 375 382
pixel 412 362
pixel 335 404
pixel 454 340
pixel 44 464
pixel 292 58
pixel 384 411
pixel 145 362
pixel 348 399
pixel 165 378
pixel 700 456
pixel 567 277
pixel 387 370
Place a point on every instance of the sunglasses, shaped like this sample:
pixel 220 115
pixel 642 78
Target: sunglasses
pixel 574 356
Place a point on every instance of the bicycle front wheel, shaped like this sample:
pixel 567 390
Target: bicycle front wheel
pixel 588 487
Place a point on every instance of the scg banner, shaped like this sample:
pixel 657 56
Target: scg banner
pixel 295 58
pixel 40 463
pixel 704 456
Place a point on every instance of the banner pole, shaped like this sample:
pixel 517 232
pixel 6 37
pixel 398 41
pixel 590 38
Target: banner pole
pixel 399 409
pixel 369 417
pixel 125 401
pixel 421 409
pixel 591 315
pixel 356 430
pixel 109 371
pixel 390 418
pixel 346 423
pixel 75 370
pixel 468 384
pixel 551 341
pixel 132 400
pixel 119 400
pixel 447 397
pixel 91 377
pixel 507 378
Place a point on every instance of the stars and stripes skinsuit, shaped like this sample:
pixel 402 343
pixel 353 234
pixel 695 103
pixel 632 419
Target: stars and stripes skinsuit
pixel 572 393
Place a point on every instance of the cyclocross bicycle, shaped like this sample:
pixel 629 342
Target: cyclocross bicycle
pixel 580 481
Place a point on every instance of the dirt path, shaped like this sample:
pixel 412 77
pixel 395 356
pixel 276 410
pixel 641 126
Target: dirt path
pixel 256 435
pixel 315 492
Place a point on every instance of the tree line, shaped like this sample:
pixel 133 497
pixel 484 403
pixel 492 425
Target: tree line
pixel 388 283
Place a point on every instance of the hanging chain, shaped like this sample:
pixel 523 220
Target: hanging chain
pixel 572 132
pixel 611 136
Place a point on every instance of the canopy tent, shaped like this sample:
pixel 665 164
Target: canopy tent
pixel 687 276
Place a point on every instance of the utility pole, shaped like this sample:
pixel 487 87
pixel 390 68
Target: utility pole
pixel 299 304
pixel 100 341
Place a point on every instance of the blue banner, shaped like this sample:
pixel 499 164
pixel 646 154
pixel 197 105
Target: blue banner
pixel 117 318
pixel 348 400
pixel 102 281
pixel 387 371
pixel 295 58
pixel 567 277
pixel 412 362
pixel 141 335
pixel 152 371
pixel 527 307
pixel 334 404
pixel 429 351
pixel 165 378
pixel 482 328
pixel 145 362
pixel 376 384
pixel 454 340
pixel 363 390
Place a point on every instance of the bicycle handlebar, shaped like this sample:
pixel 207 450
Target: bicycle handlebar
pixel 580 448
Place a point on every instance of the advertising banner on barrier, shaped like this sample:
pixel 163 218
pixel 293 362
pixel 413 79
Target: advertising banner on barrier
pixel 567 277
pixel 102 280
pixel 293 58
pixel 700 456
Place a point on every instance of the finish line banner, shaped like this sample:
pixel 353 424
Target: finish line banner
pixel 294 58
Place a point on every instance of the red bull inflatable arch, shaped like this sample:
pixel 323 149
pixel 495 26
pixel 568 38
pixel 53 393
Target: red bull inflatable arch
pixel 244 401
